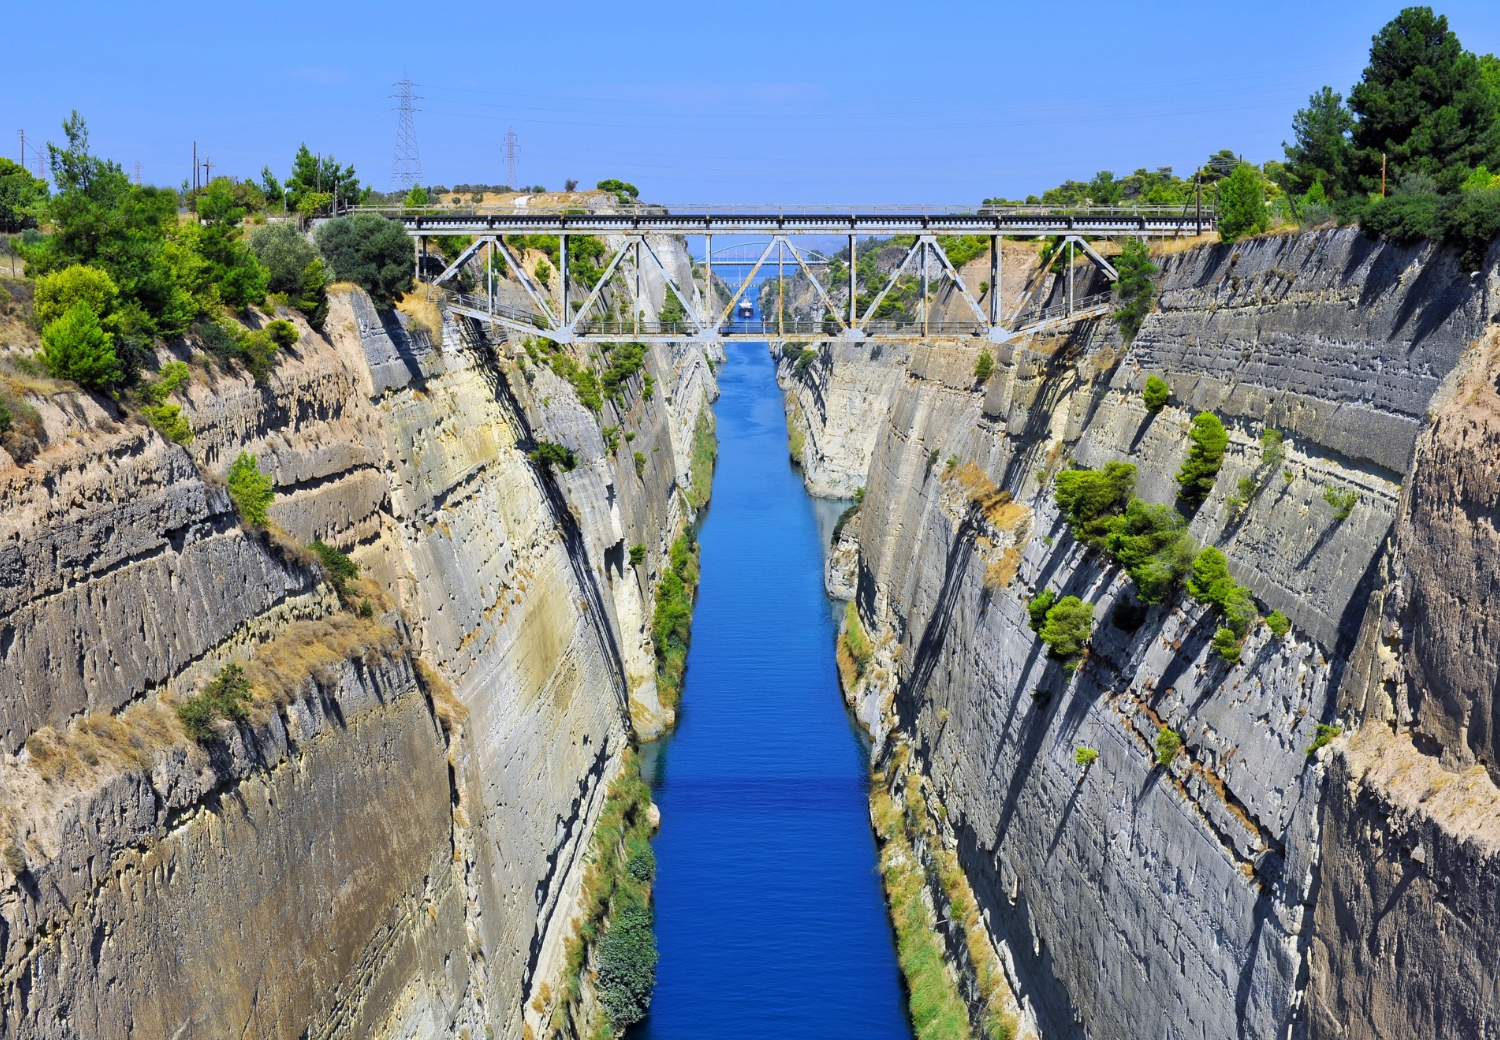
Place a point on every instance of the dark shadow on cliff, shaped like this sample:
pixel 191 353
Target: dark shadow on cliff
pixel 935 634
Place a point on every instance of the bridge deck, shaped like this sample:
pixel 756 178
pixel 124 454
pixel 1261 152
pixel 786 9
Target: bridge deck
pixel 1017 221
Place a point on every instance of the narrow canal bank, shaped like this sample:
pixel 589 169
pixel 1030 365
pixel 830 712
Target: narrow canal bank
pixel 770 919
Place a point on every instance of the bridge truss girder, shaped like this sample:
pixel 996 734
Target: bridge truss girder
pixel 708 322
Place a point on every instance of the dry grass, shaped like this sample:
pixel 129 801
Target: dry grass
pixel 318 650
pixel 450 711
pixel 1002 572
pixel 422 311
pixel 1172 246
pixel 102 741
pixel 996 505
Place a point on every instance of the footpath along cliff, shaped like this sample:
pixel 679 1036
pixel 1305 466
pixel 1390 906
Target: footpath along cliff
pixel 390 838
pixel 1269 875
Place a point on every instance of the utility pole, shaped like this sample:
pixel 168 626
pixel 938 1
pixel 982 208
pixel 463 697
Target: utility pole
pixel 1382 175
pixel 511 154
pixel 406 167
pixel 23 149
pixel 1198 186
pixel 195 167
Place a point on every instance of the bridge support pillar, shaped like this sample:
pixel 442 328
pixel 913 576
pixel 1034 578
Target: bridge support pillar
pixel 997 250
pixel 562 273
pixel 853 299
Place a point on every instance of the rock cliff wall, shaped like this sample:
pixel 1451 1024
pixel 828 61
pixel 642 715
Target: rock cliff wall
pixel 1131 898
pixel 390 845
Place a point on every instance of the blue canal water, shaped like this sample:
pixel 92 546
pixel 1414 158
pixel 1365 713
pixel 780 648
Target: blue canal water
pixel 769 914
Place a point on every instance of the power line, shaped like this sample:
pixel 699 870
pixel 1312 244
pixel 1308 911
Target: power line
pixel 511 154
pixel 406 168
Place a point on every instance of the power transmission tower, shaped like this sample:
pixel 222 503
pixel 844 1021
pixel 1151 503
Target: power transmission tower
pixel 138 173
pixel 406 169
pixel 512 153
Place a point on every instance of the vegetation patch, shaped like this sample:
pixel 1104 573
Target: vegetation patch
pixel 1135 293
pixel 1066 629
pixel 705 454
pixel 226 697
pixel 250 490
pixel 1201 468
pixel 853 653
pixel 1325 733
pixel 1343 502
pixel 671 626
pixel 906 831
pixel 1156 394
pixel 547 453
pixel 615 915
pixel 1168 744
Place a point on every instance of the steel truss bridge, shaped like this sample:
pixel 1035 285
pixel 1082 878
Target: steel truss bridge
pixel 579 318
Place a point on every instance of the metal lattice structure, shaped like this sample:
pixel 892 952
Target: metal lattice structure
pixel 406 167
pixel 631 233
pixel 512 153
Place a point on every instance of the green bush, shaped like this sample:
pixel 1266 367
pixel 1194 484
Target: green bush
pixel 1343 503
pixel 1066 631
pixel 296 270
pixel 671 625
pixel 1168 744
pixel 1472 224
pixel 1152 544
pixel 1201 469
pixel 637 555
pixel 1212 584
pixel 627 965
pixel 1277 622
pixel 1135 293
pixel 1272 448
pixel 1156 393
pixel 1091 498
pixel 226 697
pixel 619 187
pixel 169 420
pixel 547 453
pixel 841 523
pixel 985 366
pixel 250 490
pixel 1085 756
pixel 625 360
pixel 1227 645
pixel 75 346
pixel 340 569
pixel 1325 733
pixel 1037 609
pixel 371 251
pixel 640 465
pixel 56 293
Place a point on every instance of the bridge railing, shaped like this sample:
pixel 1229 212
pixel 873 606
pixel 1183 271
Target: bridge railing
pixel 696 209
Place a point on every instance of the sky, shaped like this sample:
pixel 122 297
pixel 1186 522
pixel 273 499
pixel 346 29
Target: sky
pixel 777 102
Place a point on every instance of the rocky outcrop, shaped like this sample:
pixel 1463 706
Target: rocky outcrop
pixel 391 844
pixel 1128 896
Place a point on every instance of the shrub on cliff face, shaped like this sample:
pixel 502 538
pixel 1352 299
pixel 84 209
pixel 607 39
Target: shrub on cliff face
pixel 1037 609
pixel 1067 628
pixel 1211 582
pixel 1227 645
pixel 226 697
pixel 340 569
pixel 1206 455
pixel 1156 394
pixel 1168 744
pixel 1242 204
pixel 984 367
pixel 547 453
pixel 251 491
pixel 1152 544
pixel 1091 498
pixel 671 625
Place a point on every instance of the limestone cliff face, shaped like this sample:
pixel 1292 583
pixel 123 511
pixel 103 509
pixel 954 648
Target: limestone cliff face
pixel 390 845
pixel 1406 942
pixel 1131 898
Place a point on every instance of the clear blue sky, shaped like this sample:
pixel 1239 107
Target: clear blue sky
pixel 774 102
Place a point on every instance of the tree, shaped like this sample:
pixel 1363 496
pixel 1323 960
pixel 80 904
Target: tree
pixel 1104 189
pixel 21 196
pixel 1134 291
pixel 1156 393
pixel 417 196
pixel 371 251
pixel 1321 153
pixel 295 269
pixel 1201 468
pixel 241 277
pixel 99 218
pixel 56 293
pixel 1425 103
pixel 76 347
pixel 311 175
pixel 1242 204
pixel 250 490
